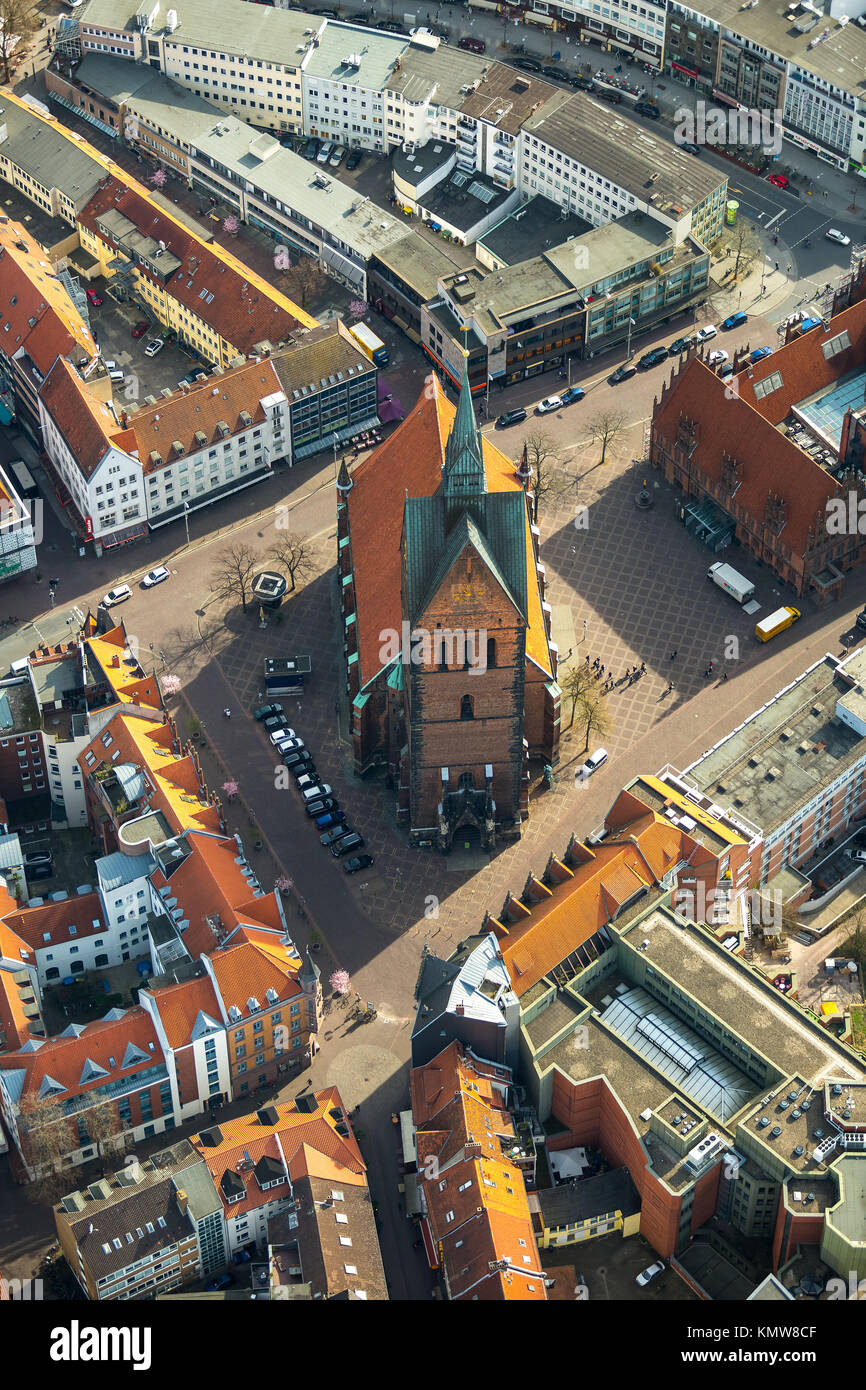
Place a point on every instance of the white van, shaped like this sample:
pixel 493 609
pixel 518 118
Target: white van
pixel 325 153
pixel 592 764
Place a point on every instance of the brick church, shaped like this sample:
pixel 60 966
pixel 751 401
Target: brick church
pixel 449 664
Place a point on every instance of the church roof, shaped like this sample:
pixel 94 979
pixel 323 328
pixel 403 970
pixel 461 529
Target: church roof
pixel 431 554
pixel 464 468
pixel 409 463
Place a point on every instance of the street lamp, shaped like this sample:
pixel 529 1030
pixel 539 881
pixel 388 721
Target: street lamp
pixel 628 340
pixel 186 520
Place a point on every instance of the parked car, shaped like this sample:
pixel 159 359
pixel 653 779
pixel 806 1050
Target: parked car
pixel 736 320
pixel 223 1281
pixel 621 374
pixel 358 861
pixel 549 404
pixel 858 855
pixel 690 148
pixel 651 1272
pixel 265 711
pixel 330 818
pixel 347 844
pixel 511 417
pixel 93 298
pixel 679 345
pixel 140 328
pixel 154 346
pixel 726 369
pixel 556 74
pixel 37 858
pixel 40 871
pixel 330 837
pixel 653 357
pixel 704 334
pixel 647 108
pixel 324 803
pixel 117 595
pixel 759 354
pixel 115 371
pixel 527 64
pixel 606 95
pixel 280 735
pixel 719 355
pixel 583 84
pixel 311 149
pixel 156 576
pixel 778 180
pixel 275 721
pixel 325 152
pixel 315 790
pixel 472 45
pixel 833 234
pixel 292 745
pixel 355 156
pixel 861 618
pixel 592 764
pixel 574 393
pixel 337 157
pixel 299 762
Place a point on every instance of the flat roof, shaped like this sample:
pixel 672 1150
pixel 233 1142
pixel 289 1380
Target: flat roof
pixel 17 703
pixel 373 51
pixel 462 200
pixel 48 152
pixel 790 748
pixel 839 58
pixel 505 96
pixel 423 161
pixel 533 228
pixel 620 245
pixel 435 77
pixel 849 1216
pixel 322 353
pixel 232 25
pixel 610 144
pixel 419 263
pixel 583 1198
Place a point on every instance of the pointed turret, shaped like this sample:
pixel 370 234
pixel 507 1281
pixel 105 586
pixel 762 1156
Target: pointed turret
pixel 308 976
pixel 464 477
pixel 344 481
pixel 524 472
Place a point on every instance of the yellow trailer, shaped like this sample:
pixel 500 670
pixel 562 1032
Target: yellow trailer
pixel 776 622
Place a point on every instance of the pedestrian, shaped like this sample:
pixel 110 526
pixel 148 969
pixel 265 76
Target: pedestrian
pixel 586 659
pixel 790 267
pixel 674 654
pixel 151 646
pixel 725 676
pixel 670 686
pixel 643 668
pixel 601 671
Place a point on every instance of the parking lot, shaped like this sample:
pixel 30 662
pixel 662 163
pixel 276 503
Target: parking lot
pixel 112 326
pixel 609 1267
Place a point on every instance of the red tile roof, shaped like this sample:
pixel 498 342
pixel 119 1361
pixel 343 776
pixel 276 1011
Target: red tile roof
pixel 307 1144
pixel 220 399
pixel 84 422
pixel 54 920
pixel 179 1006
pixel 43 322
pixel 409 463
pixel 242 313
pixel 63 1059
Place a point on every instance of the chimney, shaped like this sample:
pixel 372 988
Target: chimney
pixel 182 1201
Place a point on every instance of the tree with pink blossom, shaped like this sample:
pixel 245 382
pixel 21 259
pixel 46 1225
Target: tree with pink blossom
pixel 159 178
pixel 231 224
pixel 283 884
pixel 339 982
pixel 230 789
pixel 358 308
pixel 170 685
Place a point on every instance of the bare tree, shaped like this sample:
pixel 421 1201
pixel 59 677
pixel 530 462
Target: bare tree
pixel 740 242
pixel 231 579
pixel 104 1128
pixel 577 685
pixel 18 20
pixel 304 281
pixel 604 429
pixel 46 1138
pixel 293 554
pixel 549 479
pixel 595 715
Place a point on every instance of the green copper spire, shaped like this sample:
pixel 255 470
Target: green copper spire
pixel 464 465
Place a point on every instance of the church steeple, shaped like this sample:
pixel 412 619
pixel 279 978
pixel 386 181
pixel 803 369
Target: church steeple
pixel 464 463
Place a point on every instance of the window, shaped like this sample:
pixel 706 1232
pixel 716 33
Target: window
pixel 449 1217
pixel 766 387
pixel 467 710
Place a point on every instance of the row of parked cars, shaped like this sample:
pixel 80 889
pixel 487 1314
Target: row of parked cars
pixel 326 152
pixel 318 797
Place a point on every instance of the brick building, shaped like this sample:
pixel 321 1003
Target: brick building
pixel 758 457
pixel 450 666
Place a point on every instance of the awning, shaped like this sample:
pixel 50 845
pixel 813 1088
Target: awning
pixel 113 538
pixel 617 43
pixel 429 1245
pixel 410 1189
pixel 407 1137
pixel 547 21
pixel 689 72
pixel 318 446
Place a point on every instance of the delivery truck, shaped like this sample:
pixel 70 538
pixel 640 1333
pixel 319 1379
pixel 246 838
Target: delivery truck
pixel 776 622
pixel 735 584
pixel 370 345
